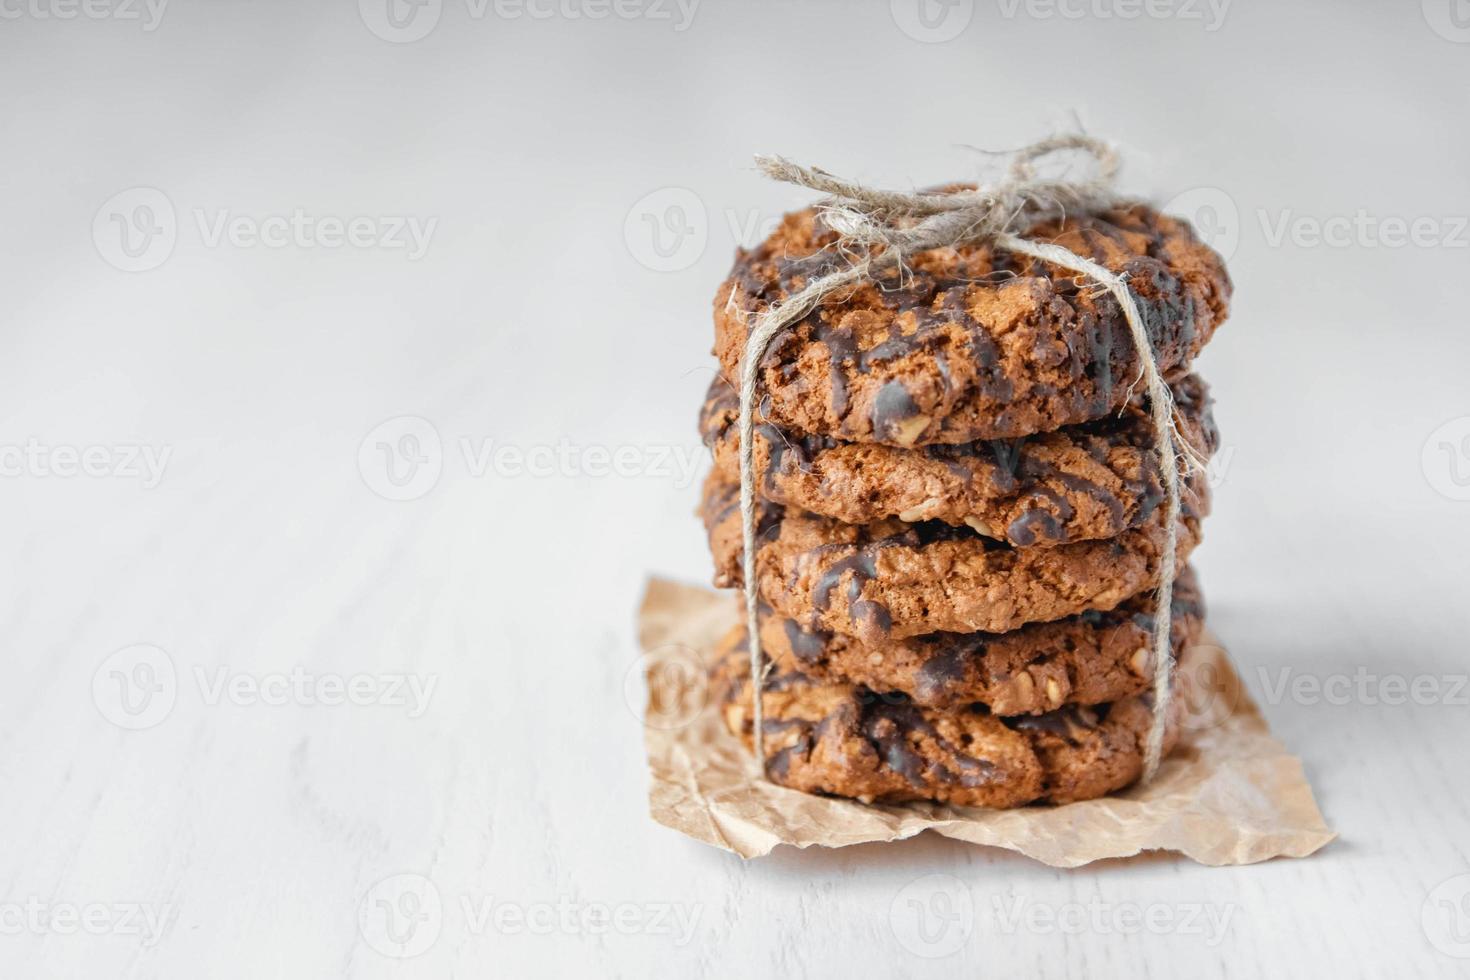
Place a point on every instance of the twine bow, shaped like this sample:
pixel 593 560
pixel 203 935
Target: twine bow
pixel 883 229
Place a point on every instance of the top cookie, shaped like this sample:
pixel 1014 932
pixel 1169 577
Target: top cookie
pixel 971 342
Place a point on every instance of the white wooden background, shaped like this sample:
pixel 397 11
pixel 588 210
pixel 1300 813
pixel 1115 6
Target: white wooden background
pixel 252 830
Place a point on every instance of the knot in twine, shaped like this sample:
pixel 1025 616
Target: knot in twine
pixel 882 229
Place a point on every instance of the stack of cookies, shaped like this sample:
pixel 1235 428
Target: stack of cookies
pixel 960 511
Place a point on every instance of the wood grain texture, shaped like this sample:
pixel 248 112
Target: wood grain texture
pixel 273 835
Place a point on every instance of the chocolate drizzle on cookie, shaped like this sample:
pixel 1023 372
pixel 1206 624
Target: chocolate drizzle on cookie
pixel 889 728
pixel 863 568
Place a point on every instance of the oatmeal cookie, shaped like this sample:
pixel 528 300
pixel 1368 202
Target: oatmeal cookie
pixel 846 740
pixel 892 579
pixel 971 342
pixel 1089 658
pixel 1085 482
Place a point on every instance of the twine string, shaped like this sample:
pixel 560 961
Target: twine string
pixel 881 229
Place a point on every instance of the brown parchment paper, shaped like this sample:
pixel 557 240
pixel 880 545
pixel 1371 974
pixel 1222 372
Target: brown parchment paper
pixel 1230 794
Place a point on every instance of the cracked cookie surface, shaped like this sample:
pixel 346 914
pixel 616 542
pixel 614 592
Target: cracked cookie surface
pixel 971 342
pixel 1090 658
pixel 892 579
pixel 1089 481
pixel 845 740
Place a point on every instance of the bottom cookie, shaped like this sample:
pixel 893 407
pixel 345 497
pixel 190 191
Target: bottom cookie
pixel 846 740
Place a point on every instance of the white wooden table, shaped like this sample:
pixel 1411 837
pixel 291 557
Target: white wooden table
pixel 258 719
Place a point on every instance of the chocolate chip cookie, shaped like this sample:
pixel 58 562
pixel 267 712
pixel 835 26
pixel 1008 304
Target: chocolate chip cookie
pixel 1089 658
pixel 892 579
pixel 848 741
pixel 1089 481
pixel 971 342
